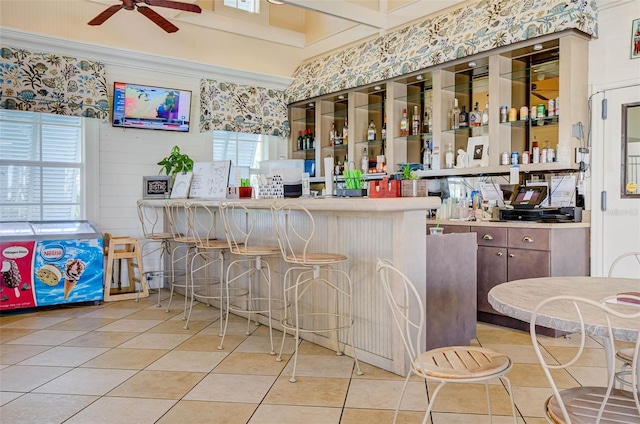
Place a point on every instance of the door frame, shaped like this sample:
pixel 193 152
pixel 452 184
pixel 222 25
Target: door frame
pixel 598 92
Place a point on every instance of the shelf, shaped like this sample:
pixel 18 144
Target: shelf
pixel 497 170
pixel 548 121
pixel 372 107
pixel 466 129
pixel 541 71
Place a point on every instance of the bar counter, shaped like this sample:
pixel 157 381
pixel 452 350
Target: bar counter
pixel 363 229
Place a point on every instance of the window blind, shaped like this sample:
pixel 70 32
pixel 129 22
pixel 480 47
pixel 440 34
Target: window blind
pixel 40 166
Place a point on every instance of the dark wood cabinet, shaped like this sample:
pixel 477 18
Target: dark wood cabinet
pixel 513 253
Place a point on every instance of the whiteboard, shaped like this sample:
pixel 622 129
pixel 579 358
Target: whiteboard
pixel 210 180
pixel 181 185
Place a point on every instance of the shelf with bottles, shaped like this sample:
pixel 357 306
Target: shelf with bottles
pixel 546 121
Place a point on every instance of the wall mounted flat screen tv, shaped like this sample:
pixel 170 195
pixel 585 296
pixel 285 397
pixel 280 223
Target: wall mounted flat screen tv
pixel 149 107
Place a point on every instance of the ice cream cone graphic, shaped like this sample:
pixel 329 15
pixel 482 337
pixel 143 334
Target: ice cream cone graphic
pixel 73 270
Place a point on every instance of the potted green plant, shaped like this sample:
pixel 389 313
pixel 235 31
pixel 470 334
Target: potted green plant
pixel 176 162
pixel 410 183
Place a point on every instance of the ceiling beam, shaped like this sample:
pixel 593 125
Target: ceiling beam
pixel 340 9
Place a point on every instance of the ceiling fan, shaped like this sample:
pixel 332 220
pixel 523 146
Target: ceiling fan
pixel 141 5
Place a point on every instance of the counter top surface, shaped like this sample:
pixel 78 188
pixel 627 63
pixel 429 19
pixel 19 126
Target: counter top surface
pixel 514 224
pixel 343 204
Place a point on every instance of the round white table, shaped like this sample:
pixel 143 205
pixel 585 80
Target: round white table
pixel 518 298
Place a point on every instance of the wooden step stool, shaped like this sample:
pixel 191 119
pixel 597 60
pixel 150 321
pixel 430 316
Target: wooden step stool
pixel 127 248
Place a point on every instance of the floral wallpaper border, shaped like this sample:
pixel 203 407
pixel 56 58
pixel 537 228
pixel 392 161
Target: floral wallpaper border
pixel 52 83
pixel 242 108
pixel 469 30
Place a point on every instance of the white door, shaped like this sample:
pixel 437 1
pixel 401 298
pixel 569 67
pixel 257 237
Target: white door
pixel 615 220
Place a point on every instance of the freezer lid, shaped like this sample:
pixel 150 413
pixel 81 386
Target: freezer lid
pixel 19 228
pixel 39 230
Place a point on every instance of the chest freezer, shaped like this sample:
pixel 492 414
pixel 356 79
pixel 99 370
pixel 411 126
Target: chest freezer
pixel 50 263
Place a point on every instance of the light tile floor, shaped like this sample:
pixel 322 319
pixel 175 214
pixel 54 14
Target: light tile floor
pixel 132 362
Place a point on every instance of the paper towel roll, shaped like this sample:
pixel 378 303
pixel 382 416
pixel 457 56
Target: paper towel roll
pixel 328 176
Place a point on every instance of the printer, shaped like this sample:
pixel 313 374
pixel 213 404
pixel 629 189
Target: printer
pixel 526 206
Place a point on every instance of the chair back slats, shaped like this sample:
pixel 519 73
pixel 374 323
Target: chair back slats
pixel 590 404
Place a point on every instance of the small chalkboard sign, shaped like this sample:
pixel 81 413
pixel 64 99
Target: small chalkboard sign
pixel 210 180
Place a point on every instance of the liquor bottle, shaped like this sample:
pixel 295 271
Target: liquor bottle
pixel 455 115
pixel 485 114
pixel 475 118
pixel 383 132
pixel 305 144
pixel 427 122
pixel 448 156
pixel 426 157
pixel 364 161
pixel 415 122
pixel 332 135
pixel 300 141
pixel 345 133
pixel 464 121
pixel 371 131
pixel 404 125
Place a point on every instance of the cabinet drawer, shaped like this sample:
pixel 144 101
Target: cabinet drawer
pixel 529 238
pixel 491 236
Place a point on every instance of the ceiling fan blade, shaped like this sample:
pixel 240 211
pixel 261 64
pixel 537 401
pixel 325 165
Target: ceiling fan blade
pixel 187 7
pixel 106 14
pixel 157 19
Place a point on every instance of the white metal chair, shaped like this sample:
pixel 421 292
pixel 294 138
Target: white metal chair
pixel 205 282
pixel 454 364
pixel 184 246
pixel 589 404
pixel 632 261
pixel 318 295
pixel 248 278
pixel 151 219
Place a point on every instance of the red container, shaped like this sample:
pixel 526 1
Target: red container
pixel 385 188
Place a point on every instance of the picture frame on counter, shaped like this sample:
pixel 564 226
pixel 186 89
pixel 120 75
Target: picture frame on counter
pixel 156 187
pixel 478 151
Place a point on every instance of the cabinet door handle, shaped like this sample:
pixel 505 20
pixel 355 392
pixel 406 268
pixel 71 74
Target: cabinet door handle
pixel 511 255
pixel 499 253
pixel 527 239
pixel 487 237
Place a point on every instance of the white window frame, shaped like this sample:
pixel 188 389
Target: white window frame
pixel 227 145
pixel 251 6
pixel 87 202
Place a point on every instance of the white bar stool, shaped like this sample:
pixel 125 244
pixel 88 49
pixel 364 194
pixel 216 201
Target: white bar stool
pixel 319 299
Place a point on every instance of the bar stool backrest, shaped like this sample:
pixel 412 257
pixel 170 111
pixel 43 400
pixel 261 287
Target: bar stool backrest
pixel 150 216
pixel 238 225
pixel 178 220
pixel 295 228
pixel 202 223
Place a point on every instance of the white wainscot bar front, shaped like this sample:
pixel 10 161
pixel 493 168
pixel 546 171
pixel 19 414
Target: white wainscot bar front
pixel 363 229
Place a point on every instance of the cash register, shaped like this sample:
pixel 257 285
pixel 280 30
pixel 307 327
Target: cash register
pixel 526 206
